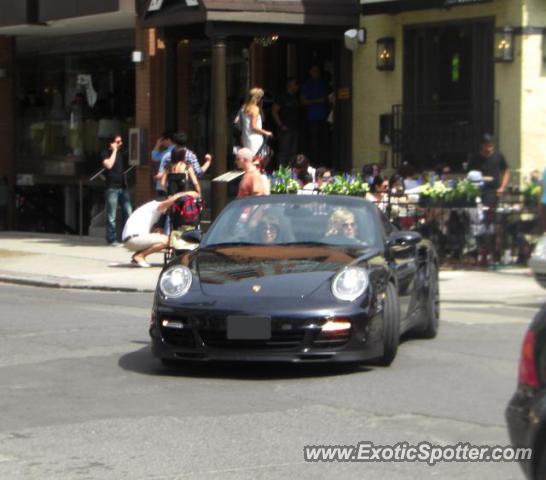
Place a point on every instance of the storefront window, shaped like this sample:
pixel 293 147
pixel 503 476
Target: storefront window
pixel 67 106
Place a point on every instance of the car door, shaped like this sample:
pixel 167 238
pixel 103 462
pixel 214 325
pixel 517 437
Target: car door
pixel 402 256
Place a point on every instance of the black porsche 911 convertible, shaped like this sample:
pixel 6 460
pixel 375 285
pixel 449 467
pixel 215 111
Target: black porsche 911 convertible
pixel 296 278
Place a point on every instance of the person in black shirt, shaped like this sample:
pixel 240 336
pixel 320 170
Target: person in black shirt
pixel 116 187
pixel 286 113
pixel 494 168
pixel 492 164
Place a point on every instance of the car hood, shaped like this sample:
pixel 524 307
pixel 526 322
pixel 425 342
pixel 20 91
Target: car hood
pixel 280 271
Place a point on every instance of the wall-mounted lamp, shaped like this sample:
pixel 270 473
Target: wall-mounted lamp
pixel 354 37
pixel 385 54
pixel 544 44
pixel 504 44
pixel 267 40
pixel 136 56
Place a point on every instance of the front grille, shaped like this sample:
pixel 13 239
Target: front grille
pixel 332 340
pixel 178 338
pixel 280 340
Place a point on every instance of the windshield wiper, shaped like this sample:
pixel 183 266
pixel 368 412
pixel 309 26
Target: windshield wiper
pixel 309 242
pixel 230 244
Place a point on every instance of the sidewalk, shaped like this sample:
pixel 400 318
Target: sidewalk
pixel 68 261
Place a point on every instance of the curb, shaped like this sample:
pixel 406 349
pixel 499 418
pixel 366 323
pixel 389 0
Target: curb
pixel 59 283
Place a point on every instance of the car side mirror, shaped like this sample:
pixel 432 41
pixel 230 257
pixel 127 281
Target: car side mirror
pixel 404 238
pixel 192 236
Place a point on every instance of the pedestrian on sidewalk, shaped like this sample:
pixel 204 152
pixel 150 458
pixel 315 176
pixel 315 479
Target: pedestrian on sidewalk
pixel 286 113
pixel 140 234
pixel 114 162
pixel 252 183
pixel 161 154
pixel 180 140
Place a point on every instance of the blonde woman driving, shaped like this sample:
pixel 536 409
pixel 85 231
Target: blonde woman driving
pixel 341 224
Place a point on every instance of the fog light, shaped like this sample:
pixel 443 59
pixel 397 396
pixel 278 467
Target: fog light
pixel 336 326
pixel 172 324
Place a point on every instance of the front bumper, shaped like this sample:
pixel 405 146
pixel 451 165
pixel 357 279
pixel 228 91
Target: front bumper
pixel 296 338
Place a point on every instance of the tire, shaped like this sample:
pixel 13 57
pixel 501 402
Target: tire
pixel 391 327
pixel 431 307
pixel 540 470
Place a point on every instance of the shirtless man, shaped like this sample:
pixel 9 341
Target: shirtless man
pixel 251 183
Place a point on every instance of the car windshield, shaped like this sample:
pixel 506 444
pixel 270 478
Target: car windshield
pixel 293 220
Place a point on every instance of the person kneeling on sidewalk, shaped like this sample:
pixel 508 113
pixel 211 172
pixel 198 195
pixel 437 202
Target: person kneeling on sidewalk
pixel 138 235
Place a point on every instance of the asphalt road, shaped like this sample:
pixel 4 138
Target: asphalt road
pixel 81 397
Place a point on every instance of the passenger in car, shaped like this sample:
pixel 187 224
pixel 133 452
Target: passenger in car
pixel 341 224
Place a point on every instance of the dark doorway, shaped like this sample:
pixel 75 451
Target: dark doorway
pixel 249 64
pixel 448 93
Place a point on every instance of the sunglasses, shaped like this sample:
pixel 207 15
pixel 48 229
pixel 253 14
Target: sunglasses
pixel 348 225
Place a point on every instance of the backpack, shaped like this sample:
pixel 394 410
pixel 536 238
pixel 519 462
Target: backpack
pixel 185 211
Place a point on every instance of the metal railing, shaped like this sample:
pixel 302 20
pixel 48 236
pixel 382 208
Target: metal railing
pixel 445 130
pixel 501 234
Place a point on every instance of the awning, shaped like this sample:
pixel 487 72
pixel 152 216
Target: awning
pixel 374 7
pixel 165 13
pixel 172 12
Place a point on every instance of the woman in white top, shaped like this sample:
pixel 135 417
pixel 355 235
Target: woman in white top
pixel 252 136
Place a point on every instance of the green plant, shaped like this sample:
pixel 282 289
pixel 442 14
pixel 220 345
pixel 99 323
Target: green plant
pixel 532 190
pixel 346 185
pixel 463 191
pixel 434 193
pixel 282 181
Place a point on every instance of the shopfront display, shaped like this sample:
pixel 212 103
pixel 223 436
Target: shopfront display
pixel 67 106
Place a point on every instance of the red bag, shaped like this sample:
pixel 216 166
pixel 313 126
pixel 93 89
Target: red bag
pixel 185 212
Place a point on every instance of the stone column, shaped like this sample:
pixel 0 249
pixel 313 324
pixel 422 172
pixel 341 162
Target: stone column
pixel 170 86
pixel 219 123
pixel 7 121
pixel 184 68
pixel 149 104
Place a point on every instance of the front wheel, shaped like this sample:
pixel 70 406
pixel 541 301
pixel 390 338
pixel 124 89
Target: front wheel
pixel 391 326
pixel 431 307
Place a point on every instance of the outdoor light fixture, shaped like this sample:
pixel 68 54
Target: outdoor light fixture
pixel 385 53
pixel 504 45
pixel 354 37
pixel 266 41
pixel 136 56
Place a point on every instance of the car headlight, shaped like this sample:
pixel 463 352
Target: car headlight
pixel 540 249
pixel 175 281
pixel 349 284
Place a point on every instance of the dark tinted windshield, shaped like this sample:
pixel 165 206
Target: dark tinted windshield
pixel 281 221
